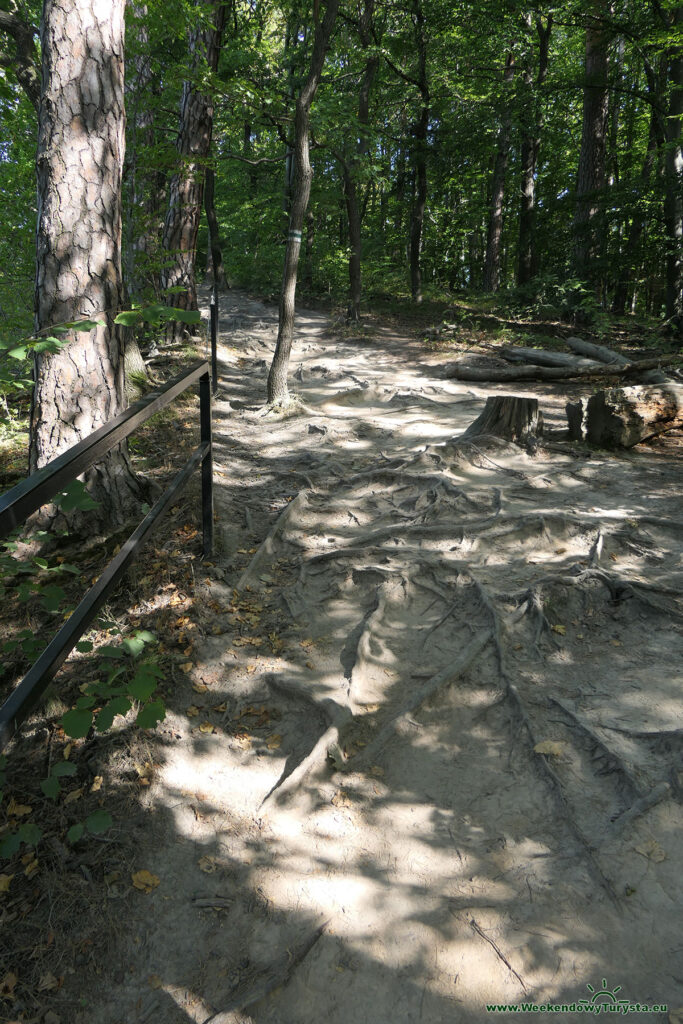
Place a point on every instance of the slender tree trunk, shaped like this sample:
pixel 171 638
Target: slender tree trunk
pixel 217 268
pixel 590 179
pixel 673 203
pixel 494 235
pixel 187 186
pixel 420 129
pixel 531 142
pixel 278 391
pixel 78 252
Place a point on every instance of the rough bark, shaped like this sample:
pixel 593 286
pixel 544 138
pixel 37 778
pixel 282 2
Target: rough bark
pixel 539 357
pixel 79 167
pixel 217 268
pixel 494 235
pixel 529 150
pixel 23 60
pixel 465 371
pixel 507 416
pixel 673 204
pixel 609 357
pixel 278 392
pixel 590 179
pixel 187 186
pixel 623 417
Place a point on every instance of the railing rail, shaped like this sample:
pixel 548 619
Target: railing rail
pixel 17 504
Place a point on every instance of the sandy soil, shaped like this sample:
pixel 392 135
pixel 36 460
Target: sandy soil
pixel 432 757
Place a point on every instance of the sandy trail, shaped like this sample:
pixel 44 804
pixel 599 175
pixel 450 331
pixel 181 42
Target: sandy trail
pixel 468 658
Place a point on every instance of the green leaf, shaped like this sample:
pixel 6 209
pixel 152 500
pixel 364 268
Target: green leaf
pixel 186 316
pixel 98 822
pixel 133 645
pixel 85 702
pixel 52 598
pixel 84 646
pixel 18 353
pixel 77 723
pixel 82 325
pixel 129 318
pixel 109 651
pixel 144 634
pixel 63 768
pixel 51 787
pixel 105 719
pixel 177 289
pixel 151 715
pixel 75 832
pixel 142 687
pixel 74 497
pixel 10 844
pixel 30 834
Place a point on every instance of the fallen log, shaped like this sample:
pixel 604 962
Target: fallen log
pixel 542 357
pixel 611 358
pixel 507 416
pixel 465 371
pixel 623 417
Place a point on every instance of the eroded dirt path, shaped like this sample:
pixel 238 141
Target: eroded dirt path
pixel 432 759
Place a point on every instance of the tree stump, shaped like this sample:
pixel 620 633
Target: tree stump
pixel 507 416
pixel 623 417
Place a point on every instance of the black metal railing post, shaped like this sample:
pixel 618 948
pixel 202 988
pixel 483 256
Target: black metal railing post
pixel 214 341
pixel 207 464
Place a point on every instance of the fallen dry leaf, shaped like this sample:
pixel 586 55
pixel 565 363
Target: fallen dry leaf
pixel 154 981
pixel 192 711
pixel 145 881
pixel 16 810
pixel 186 666
pixel 5 881
pixel 341 799
pixel 243 740
pixel 31 868
pixel 206 727
pixel 207 864
pixel 376 770
pixel 220 707
pixel 200 687
pixel 559 629
pixel 74 795
pixel 274 741
pixel 66 753
pixel 96 784
pixel 551 747
pixel 8 984
pixel 652 850
pixel 48 982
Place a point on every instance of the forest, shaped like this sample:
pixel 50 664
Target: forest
pixel 404 744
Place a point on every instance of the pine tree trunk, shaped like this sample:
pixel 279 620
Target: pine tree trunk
pixel 187 186
pixel 278 392
pixel 494 236
pixel 673 203
pixel 217 268
pixel 531 142
pixel 78 248
pixel 590 179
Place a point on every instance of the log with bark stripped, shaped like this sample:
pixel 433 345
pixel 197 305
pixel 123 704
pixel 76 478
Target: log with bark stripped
pixel 465 371
pixel 623 417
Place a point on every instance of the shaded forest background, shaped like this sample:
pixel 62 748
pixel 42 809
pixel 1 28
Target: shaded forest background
pixel 495 147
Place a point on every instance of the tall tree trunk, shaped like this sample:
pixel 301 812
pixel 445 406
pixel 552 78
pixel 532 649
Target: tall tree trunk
pixel 217 268
pixel 590 179
pixel 78 252
pixel 278 391
pixel 673 203
pixel 531 142
pixel 187 186
pixel 494 234
pixel 420 129
pixel 351 166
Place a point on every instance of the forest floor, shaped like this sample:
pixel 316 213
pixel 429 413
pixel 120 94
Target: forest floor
pixel 427 754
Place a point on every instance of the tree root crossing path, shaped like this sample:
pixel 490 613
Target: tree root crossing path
pixel 428 758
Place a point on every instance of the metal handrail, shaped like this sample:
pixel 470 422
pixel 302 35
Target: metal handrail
pixel 28 495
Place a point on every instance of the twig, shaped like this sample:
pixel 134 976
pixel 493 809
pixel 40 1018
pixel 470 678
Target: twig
pixel 499 953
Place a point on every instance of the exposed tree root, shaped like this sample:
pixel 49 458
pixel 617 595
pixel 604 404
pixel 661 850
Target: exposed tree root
pixel 278 973
pixel 640 806
pixel 443 678
pixel 338 718
pixel 616 763
pixel 267 546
